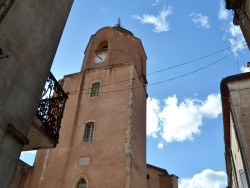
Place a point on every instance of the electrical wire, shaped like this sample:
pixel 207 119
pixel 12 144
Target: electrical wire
pixel 172 67
pixel 191 61
pixel 160 82
pixel 194 71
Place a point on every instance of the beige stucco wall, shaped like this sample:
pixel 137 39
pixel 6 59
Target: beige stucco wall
pixel 240 102
pixel 236 158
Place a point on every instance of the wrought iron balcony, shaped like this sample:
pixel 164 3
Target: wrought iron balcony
pixel 44 132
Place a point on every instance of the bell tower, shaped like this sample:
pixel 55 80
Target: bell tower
pixel 120 46
pixel 103 135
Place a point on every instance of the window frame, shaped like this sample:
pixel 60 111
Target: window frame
pixel 79 182
pixel 76 182
pixel 93 93
pixel 103 45
pixel 88 137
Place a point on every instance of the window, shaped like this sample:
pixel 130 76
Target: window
pixel 82 183
pixel 243 179
pixel 88 132
pixel 103 45
pixel 95 89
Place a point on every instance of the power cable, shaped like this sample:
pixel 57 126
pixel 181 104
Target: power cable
pixel 160 82
pixel 191 61
pixel 175 66
pixel 186 74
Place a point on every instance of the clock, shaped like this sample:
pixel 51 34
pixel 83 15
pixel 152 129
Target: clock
pixel 99 58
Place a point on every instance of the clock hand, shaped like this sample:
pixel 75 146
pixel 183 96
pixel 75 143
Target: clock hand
pixel 99 57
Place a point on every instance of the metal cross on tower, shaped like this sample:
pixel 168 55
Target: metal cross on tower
pixel 119 23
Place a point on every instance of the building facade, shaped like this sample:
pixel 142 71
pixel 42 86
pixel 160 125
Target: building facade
pixel 235 92
pixel 235 110
pixel 160 178
pixel 103 135
pixel 29 35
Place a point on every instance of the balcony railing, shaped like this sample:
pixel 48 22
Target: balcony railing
pixel 51 107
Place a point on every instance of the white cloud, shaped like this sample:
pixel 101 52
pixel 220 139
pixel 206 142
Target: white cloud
pixel 200 20
pixel 244 69
pixel 206 179
pixel 210 107
pixel 180 121
pixel 236 38
pixel 153 109
pixel 105 10
pixel 160 145
pixel 159 21
pixel 223 13
pixel 156 3
pixel 232 33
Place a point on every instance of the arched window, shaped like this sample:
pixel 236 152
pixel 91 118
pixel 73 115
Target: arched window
pixel 95 89
pixel 88 132
pixel 103 45
pixel 82 184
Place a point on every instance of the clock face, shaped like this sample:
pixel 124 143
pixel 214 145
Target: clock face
pixel 99 58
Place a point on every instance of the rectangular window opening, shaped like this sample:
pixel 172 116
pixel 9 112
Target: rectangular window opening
pixel 88 132
pixel 95 89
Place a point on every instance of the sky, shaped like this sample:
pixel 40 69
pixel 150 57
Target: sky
pixel 191 46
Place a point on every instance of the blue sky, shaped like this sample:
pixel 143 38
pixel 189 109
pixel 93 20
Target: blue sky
pixel 191 46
